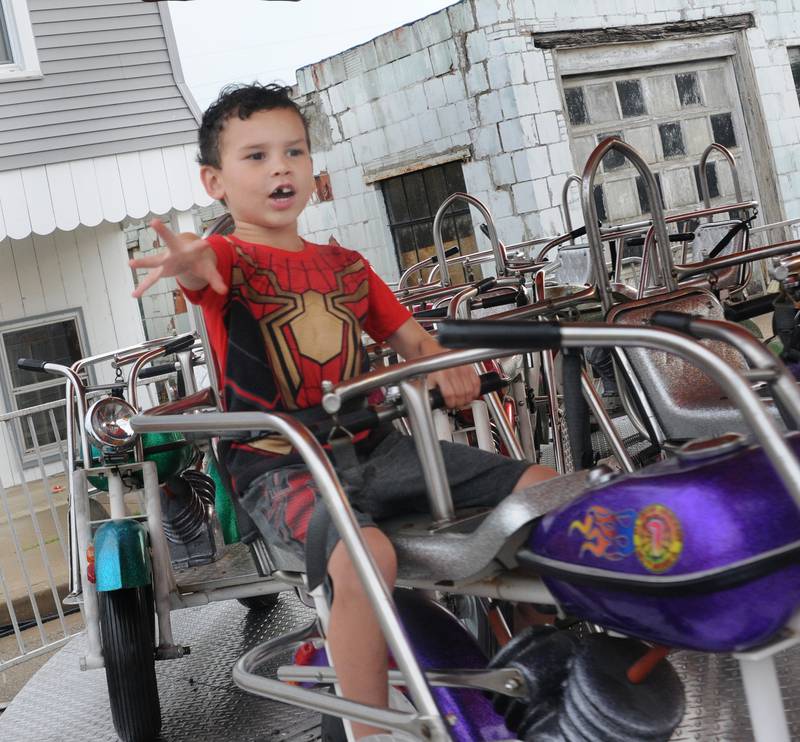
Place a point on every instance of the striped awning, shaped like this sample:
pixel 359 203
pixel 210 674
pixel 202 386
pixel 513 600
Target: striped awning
pixel 132 185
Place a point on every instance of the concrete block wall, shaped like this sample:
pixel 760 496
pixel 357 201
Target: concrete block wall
pixel 470 76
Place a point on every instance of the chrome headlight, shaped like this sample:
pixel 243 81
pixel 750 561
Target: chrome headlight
pixel 108 424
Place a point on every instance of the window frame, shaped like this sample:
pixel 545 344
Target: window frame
pixel 49 451
pixel 25 59
pixel 455 210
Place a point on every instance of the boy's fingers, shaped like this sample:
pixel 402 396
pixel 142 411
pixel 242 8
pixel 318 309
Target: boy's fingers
pixel 147 261
pixel 212 275
pixel 147 282
pixel 165 233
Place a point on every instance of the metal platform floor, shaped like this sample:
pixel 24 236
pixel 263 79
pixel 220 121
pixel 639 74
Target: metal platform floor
pixel 201 704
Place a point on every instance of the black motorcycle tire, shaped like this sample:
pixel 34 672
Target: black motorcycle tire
pixel 127 630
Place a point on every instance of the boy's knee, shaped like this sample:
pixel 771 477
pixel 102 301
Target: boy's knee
pixel 534 475
pixel 343 571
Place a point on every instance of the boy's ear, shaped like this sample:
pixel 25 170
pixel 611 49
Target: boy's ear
pixel 212 182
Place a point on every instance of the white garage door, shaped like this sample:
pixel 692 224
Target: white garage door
pixel 670 114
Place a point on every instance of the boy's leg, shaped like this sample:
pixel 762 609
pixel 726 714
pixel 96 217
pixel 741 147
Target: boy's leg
pixel 534 474
pixel 354 635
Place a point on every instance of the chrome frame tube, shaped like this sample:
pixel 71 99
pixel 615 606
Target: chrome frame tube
pixel 703 172
pixel 590 217
pixel 497 251
pixel 732 383
pixel 163 577
pixel 605 423
pixel 335 499
pixel 648 242
pixel 419 726
pixel 133 376
pixel 784 389
pixel 727 261
pixel 90 608
pixel 524 426
pixel 429 452
pixel 565 201
pixel 185 361
pixel 582 334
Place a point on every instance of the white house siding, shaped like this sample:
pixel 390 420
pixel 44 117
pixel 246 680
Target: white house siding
pixel 84 269
pixel 472 76
pixel 108 86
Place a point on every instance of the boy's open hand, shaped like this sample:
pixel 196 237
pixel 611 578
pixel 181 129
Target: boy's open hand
pixel 186 257
pixel 459 386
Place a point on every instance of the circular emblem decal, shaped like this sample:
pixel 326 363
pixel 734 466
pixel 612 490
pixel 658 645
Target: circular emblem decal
pixel 657 538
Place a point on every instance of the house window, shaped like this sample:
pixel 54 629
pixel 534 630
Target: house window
pixel 576 106
pixel 672 139
pixel 613 159
pixel 631 98
pixel 794 63
pixel 5 45
pixel 722 126
pixel 18 57
pixel 58 340
pixel 412 201
pixel 669 114
pixel 688 89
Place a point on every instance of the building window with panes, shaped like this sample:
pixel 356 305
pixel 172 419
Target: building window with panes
pixel 411 203
pixel 794 63
pixel 57 340
pixel 19 59
pixel 669 114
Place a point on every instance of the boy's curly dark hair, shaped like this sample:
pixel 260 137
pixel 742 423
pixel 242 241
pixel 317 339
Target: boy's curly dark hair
pixel 242 101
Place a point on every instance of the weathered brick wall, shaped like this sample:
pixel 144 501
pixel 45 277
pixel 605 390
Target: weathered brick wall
pixel 470 76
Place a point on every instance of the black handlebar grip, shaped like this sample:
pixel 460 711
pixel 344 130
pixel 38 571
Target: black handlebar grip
pixel 160 370
pixel 678 237
pixel 180 343
pixel 510 334
pixel 751 308
pixel 577 232
pixel 486 284
pixel 438 313
pixel 447 253
pixel 678 321
pixel 490 382
pixel 31 364
pixel 499 300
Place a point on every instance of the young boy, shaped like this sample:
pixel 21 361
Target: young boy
pixel 283 315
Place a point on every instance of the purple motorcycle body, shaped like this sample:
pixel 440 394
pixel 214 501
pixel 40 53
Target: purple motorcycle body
pixel 682 521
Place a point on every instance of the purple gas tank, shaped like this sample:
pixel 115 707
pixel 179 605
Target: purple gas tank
pixel 701 551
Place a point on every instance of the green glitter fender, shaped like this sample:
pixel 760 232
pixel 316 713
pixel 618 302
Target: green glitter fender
pixel 121 555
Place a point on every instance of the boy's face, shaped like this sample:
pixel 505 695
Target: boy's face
pixel 265 175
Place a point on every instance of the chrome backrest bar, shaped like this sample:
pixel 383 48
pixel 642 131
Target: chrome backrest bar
pixel 497 250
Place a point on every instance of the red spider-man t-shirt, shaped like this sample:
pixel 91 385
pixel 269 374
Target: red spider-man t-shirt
pixel 289 321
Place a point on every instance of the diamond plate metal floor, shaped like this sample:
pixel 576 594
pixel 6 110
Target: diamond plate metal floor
pixel 201 704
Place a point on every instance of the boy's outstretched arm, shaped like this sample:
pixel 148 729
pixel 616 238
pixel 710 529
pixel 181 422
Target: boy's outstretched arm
pixel 189 259
pixel 459 386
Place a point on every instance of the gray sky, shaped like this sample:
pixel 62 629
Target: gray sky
pixel 223 41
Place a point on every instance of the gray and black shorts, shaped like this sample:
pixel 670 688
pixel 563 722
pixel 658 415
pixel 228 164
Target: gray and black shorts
pixel 383 484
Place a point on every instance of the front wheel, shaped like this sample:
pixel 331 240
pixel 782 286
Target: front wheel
pixel 127 629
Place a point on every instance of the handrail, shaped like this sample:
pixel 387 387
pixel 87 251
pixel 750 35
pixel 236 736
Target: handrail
pixel 590 216
pixel 565 200
pixel 696 214
pixel 336 502
pixel 703 172
pixel 497 251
